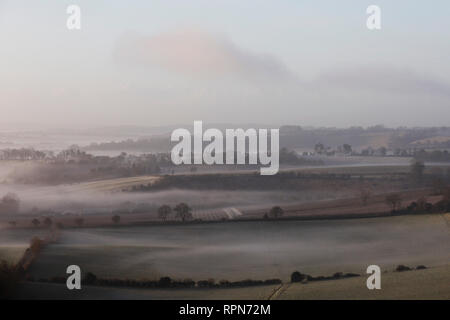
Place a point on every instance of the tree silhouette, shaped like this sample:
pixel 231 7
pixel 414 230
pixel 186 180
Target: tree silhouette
pixel 10 203
pixel 48 222
pixel 183 211
pixel 416 169
pixel 365 196
pixel 164 211
pixel 35 222
pixel 276 212
pixel 79 221
pixel 394 201
pixel 115 219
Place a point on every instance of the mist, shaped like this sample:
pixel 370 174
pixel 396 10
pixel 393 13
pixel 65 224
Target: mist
pixel 69 198
pixel 256 250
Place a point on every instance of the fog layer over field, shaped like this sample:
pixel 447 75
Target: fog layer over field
pixel 13 242
pixel 76 199
pixel 257 250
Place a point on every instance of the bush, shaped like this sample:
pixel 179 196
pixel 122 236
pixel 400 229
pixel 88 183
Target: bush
pixel 297 277
pixel 210 283
pixel 401 268
pixel 421 267
pixel 188 283
pixel 10 204
pixel 165 282
pixel 115 219
pixel 350 275
pixel 36 245
pixel 272 281
pixel 276 212
pixel 224 283
pixel 89 278
pixel 203 283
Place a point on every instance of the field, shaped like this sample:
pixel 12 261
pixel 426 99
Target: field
pixel 430 283
pixel 257 250
pixel 116 184
pixel 231 241
pixel 58 291
pixel 13 243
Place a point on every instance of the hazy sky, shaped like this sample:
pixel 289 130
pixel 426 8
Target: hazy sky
pixel 241 61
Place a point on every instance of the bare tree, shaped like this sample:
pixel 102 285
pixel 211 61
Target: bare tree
pixel 48 222
pixel 164 211
pixel 276 212
pixel 416 170
pixel 35 222
pixel 394 201
pixel 446 194
pixel 438 185
pixel 421 203
pixel 365 195
pixel 115 219
pixel 10 203
pixel 183 211
pixel 79 221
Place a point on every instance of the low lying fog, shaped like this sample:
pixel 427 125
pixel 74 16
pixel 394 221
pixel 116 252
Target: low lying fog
pixel 68 198
pixel 257 250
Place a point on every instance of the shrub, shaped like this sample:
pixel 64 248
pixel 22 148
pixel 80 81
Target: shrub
pixel 421 267
pixel 89 278
pixel 115 219
pixel 188 283
pixel 165 282
pixel 36 245
pixel 276 212
pixel 272 281
pixel 401 268
pixel 394 201
pixel 203 284
pixel 297 277
pixel 9 204
pixel 224 283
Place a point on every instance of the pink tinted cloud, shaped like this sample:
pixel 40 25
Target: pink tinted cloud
pixel 196 53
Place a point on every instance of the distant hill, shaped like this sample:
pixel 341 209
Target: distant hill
pixel 296 137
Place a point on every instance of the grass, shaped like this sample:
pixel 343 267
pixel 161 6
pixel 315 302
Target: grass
pixel 59 291
pixel 13 243
pixel 115 184
pixel 242 250
pixel 432 283
pixel 12 254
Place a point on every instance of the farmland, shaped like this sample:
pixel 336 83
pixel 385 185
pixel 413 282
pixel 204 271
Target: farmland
pixel 14 242
pixel 257 250
pixel 230 237
pixel 431 283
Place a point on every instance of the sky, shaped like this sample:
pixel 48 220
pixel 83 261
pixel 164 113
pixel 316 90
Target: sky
pixel 154 63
